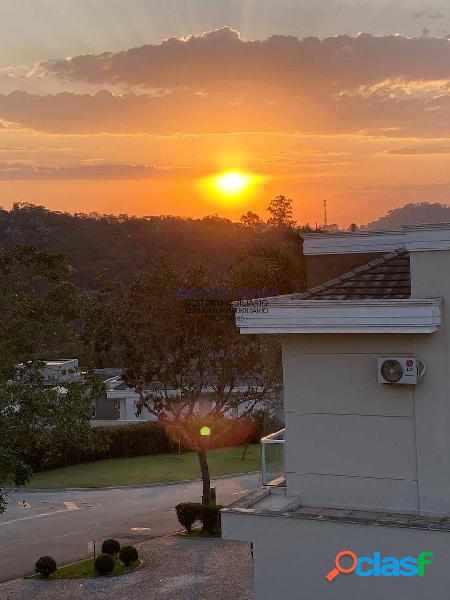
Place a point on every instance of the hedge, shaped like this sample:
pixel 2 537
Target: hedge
pixel 121 441
pixel 126 441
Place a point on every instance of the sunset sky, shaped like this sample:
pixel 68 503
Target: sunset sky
pixel 137 106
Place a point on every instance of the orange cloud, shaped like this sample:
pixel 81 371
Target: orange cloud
pixel 219 83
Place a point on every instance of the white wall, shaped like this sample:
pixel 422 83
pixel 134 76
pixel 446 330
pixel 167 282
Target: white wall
pixel 292 557
pixel 350 441
pixel 430 276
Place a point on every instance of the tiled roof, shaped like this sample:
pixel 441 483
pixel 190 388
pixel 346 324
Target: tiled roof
pixel 387 277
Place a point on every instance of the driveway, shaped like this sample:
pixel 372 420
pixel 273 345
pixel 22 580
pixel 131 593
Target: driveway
pixel 174 567
pixel 62 523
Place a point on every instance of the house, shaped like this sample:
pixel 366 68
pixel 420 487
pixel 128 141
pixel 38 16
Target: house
pixel 53 372
pixel 364 479
pixel 118 404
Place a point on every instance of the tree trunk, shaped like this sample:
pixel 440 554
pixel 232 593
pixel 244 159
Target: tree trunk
pixel 245 452
pixel 206 497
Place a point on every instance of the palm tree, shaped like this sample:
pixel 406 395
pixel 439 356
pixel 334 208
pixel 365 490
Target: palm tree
pixel 274 262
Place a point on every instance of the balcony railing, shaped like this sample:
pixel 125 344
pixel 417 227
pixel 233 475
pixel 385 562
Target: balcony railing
pixel 272 459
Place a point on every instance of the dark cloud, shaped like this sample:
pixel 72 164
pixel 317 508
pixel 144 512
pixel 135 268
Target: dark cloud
pixel 218 83
pixel 181 111
pixel 222 59
pixel 25 171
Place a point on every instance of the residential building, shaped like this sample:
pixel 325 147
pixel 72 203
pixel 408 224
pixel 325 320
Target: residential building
pixel 54 372
pixel 366 458
pixel 118 404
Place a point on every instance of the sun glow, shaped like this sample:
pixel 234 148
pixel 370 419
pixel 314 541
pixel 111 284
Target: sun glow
pixel 233 182
pixel 232 188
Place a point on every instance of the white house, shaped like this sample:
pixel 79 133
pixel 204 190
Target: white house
pixel 366 464
pixel 117 406
pixel 54 372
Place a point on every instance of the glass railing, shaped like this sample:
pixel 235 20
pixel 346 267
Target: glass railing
pixel 272 459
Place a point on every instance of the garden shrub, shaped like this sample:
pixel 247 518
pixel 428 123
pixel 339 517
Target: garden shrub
pixel 45 566
pixel 111 547
pixel 104 563
pixel 188 513
pixel 128 555
pixel 210 517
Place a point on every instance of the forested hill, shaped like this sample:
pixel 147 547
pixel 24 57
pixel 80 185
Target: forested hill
pixel 421 212
pixel 121 247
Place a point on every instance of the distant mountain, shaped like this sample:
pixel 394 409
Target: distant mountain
pixel 410 214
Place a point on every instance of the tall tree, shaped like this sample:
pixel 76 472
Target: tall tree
pixel 38 306
pixel 188 362
pixel 280 209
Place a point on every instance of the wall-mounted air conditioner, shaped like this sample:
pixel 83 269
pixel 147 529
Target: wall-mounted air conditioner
pixel 400 370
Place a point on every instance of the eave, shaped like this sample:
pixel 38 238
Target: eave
pixel 283 316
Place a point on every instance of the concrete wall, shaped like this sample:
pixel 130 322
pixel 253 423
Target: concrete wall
pixel 350 441
pixel 106 409
pixel 292 557
pixel 430 277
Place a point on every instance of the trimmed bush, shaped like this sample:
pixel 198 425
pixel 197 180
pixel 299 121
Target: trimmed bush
pixel 45 566
pixel 123 441
pixel 128 555
pixel 111 547
pixel 188 513
pixel 104 563
pixel 210 516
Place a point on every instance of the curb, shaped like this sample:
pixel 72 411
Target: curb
pixel 123 487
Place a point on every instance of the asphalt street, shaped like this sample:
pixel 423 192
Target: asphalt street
pixel 62 523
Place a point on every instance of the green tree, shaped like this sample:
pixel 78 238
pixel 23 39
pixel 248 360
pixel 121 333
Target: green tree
pixel 274 262
pixel 38 306
pixel 188 362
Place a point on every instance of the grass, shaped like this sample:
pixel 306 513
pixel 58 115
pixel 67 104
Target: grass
pixel 142 470
pixel 85 569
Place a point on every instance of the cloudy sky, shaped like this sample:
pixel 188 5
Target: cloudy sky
pixel 132 105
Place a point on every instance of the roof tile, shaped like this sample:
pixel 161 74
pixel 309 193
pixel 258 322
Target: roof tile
pixel 383 278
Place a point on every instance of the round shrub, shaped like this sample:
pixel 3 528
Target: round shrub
pixel 45 566
pixel 111 547
pixel 188 513
pixel 104 563
pixel 128 555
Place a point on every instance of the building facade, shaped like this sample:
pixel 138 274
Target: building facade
pixel 366 464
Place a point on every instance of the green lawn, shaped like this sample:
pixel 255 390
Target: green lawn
pixel 160 468
pixel 85 569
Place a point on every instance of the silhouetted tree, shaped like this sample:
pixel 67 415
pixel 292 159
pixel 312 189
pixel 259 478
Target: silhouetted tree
pixel 280 209
pixel 251 220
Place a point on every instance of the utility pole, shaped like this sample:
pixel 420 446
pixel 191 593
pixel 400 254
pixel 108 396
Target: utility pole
pixel 325 220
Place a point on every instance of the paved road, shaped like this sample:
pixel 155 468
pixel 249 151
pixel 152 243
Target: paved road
pixel 62 523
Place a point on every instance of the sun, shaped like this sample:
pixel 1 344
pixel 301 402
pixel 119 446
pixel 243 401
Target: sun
pixel 231 188
pixel 232 182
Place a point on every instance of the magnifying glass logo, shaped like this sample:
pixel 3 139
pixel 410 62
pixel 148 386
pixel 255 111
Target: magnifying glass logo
pixel 339 568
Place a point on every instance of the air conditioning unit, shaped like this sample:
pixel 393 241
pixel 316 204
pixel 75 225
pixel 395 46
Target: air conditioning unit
pixel 400 370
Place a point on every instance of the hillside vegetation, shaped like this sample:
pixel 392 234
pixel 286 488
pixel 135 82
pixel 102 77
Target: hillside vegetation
pixel 122 247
